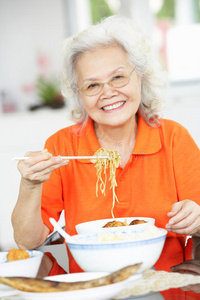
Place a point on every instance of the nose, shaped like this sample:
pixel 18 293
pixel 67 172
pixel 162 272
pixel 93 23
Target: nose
pixel 108 91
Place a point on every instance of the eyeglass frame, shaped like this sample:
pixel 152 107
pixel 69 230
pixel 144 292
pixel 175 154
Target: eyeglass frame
pixel 108 82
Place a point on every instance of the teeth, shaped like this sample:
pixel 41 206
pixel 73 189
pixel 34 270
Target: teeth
pixel 109 107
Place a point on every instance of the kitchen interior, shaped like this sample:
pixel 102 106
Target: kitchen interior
pixel 31 39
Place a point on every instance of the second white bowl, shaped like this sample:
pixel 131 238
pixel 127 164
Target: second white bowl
pixel 24 267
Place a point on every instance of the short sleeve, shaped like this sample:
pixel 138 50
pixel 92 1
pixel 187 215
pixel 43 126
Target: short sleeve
pixel 186 159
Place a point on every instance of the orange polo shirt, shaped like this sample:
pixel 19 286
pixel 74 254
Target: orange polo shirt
pixel 163 168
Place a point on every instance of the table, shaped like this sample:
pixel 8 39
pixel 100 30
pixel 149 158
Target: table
pixel 173 294
pixel 91 294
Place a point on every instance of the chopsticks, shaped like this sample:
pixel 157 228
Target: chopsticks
pixel 64 157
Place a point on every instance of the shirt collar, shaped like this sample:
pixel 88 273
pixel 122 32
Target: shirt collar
pixel 147 140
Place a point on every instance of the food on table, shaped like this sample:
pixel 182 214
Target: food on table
pixel 102 164
pixel 17 254
pixel 137 221
pixel 125 223
pixel 43 286
pixel 115 224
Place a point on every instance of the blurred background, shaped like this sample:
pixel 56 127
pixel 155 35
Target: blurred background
pixel 31 106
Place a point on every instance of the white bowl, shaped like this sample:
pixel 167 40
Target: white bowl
pixel 96 226
pixel 109 256
pixel 24 267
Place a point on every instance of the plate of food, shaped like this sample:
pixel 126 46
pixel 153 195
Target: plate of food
pixel 76 286
pixel 20 262
pixel 119 224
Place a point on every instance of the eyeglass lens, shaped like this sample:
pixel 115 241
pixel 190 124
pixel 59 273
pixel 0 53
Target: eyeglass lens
pixel 96 87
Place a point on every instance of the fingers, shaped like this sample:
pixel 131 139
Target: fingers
pixel 35 157
pixel 175 214
pixel 176 211
pixel 39 166
pixel 184 217
pixel 190 266
pixel 176 207
pixel 41 172
pixel 182 222
pixel 188 226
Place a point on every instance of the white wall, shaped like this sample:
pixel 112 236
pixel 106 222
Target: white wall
pixel 183 48
pixel 28 29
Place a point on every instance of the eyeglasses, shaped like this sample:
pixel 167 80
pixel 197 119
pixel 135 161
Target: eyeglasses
pixel 94 88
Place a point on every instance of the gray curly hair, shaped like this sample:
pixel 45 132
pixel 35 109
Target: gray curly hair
pixel 121 31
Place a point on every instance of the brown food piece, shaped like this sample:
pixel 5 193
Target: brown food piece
pixel 48 286
pixel 119 223
pixel 17 254
pixel 114 224
pixel 137 221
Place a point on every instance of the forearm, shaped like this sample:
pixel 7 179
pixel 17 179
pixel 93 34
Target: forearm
pixel 29 229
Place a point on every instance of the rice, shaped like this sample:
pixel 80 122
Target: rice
pixel 149 232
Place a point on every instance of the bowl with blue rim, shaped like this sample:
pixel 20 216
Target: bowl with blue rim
pixel 113 250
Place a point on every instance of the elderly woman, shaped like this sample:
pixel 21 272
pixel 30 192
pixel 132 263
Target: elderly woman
pixel 116 85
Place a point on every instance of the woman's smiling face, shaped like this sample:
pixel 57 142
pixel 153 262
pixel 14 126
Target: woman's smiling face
pixel 111 106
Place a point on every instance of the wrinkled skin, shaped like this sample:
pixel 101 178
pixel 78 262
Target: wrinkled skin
pixel 184 218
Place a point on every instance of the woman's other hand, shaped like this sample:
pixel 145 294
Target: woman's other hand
pixel 38 168
pixel 184 218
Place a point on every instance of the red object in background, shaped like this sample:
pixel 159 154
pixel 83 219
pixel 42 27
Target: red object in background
pixel 164 25
pixel 43 61
pixel 7 104
pixel 9 107
pixel 28 88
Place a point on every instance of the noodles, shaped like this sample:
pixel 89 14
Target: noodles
pixel 102 164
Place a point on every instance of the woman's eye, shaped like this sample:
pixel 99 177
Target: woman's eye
pixel 118 77
pixel 92 86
